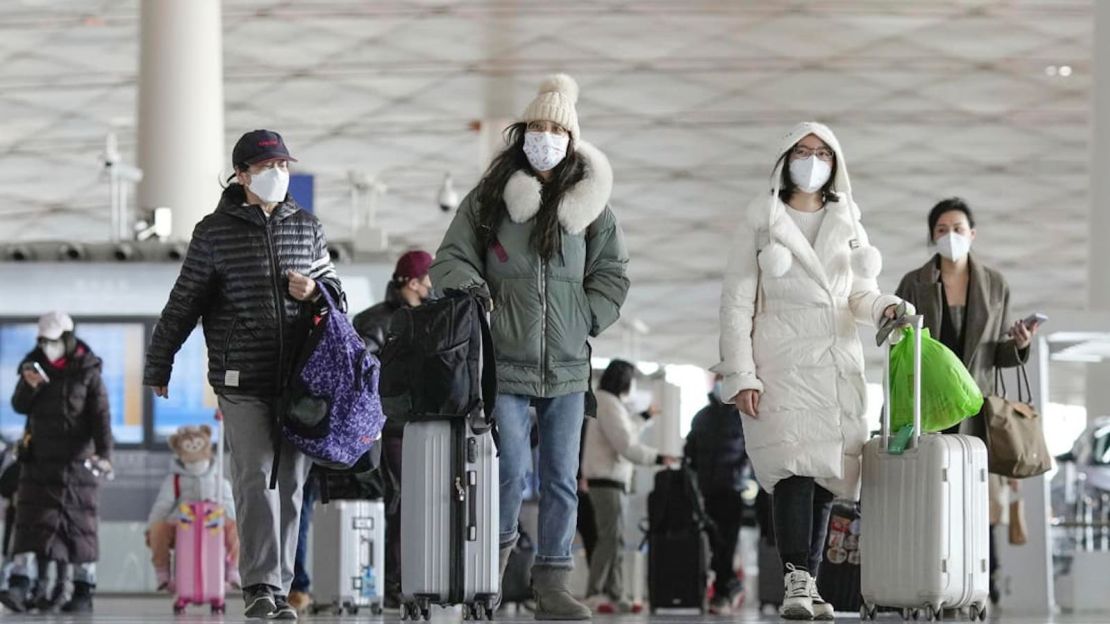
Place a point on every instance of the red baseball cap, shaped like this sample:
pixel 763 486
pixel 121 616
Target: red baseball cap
pixel 413 265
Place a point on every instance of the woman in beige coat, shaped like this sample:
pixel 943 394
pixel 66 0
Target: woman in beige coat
pixel 966 305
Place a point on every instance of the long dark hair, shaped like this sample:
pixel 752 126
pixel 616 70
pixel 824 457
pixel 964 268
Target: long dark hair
pixel 547 234
pixel 617 378
pixel 787 188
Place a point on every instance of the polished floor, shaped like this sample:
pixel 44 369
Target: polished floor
pixel 152 610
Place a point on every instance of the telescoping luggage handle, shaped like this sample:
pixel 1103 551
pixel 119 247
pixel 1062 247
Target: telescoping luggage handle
pixel 220 458
pixel 917 323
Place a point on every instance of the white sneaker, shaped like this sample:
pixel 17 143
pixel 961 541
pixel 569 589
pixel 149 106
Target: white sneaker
pixel 797 603
pixel 821 609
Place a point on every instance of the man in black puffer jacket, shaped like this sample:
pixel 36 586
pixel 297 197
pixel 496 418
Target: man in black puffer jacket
pixel 715 448
pixel 252 275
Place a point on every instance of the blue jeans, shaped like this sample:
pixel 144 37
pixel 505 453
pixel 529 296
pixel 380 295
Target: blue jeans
pixel 301 581
pixel 560 428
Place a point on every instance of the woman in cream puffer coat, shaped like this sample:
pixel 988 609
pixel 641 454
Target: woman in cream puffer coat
pixel 801 276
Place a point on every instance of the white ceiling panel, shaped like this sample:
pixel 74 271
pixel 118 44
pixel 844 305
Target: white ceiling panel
pixel 687 98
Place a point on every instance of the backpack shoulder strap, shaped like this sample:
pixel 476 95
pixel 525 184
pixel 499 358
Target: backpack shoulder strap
pixel 176 487
pixel 489 365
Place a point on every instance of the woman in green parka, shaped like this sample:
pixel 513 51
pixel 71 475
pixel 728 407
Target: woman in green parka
pixel 538 238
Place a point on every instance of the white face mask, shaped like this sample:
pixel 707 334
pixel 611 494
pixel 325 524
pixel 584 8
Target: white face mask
pixel 270 185
pixel 54 350
pixel 810 174
pixel 954 246
pixel 545 150
pixel 196 468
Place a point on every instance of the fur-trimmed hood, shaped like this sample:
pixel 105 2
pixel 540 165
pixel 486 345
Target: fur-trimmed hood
pixel 581 205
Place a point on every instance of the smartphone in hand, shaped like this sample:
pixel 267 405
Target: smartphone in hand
pixel 1034 320
pixel 35 366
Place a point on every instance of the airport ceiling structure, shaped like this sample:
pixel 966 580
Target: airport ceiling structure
pixel 988 100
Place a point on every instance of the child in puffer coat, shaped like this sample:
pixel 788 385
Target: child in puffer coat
pixel 192 478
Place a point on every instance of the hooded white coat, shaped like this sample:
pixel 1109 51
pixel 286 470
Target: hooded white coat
pixel 788 330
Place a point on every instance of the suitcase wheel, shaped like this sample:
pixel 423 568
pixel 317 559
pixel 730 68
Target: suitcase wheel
pixel 178 609
pixel 977 612
pixel 868 612
pixel 219 609
pixel 376 609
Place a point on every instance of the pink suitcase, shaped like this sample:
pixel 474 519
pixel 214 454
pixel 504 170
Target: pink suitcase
pixel 924 520
pixel 200 551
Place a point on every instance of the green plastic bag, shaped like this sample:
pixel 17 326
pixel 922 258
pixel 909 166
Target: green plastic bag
pixel 949 394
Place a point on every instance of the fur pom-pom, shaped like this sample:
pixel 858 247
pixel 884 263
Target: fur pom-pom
pixel 562 84
pixel 867 262
pixel 775 259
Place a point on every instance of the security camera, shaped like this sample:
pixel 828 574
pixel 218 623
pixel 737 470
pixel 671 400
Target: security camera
pixel 161 228
pixel 114 164
pixel 447 198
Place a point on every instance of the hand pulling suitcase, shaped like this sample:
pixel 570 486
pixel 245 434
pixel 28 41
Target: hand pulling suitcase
pixel 449 526
pixel 924 534
pixel 838 579
pixel 348 563
pixel 200 552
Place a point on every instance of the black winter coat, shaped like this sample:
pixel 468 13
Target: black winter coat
pixel 373 322
pixel 69 421
pixel 715 447
pixel 234 280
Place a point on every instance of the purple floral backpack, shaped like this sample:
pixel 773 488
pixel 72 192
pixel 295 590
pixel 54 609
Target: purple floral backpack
pixel 332 411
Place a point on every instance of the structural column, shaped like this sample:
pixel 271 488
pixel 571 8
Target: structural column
pixel 1098 266
pixel 181 109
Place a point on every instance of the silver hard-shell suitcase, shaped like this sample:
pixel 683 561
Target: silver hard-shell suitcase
pixel 449 519
pixel 924 535
pixel 348 563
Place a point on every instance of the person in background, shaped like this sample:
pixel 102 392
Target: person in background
pixel 253 274
pixel 966 306
pixel 801 275
pixel 715 450
pixel 538 241
pixel 612 449
pixel 69 442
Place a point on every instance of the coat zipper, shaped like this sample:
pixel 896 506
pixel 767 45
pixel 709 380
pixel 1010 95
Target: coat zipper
pixel 543 327
pixel 279 308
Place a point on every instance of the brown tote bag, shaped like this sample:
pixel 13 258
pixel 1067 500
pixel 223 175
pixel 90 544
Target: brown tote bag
pixel 1015 432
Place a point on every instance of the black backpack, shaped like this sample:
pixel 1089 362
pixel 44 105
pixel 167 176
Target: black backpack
pixel 675 505
pixel 438 363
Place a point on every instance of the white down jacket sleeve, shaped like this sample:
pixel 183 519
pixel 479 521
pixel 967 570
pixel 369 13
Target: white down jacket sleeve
pixel 866 301
pixel 738 297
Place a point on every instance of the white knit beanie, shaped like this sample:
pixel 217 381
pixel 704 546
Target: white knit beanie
pixel 558 94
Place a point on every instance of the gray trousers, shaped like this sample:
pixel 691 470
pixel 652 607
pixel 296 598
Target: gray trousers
pixel 268 519
pixel 607 563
